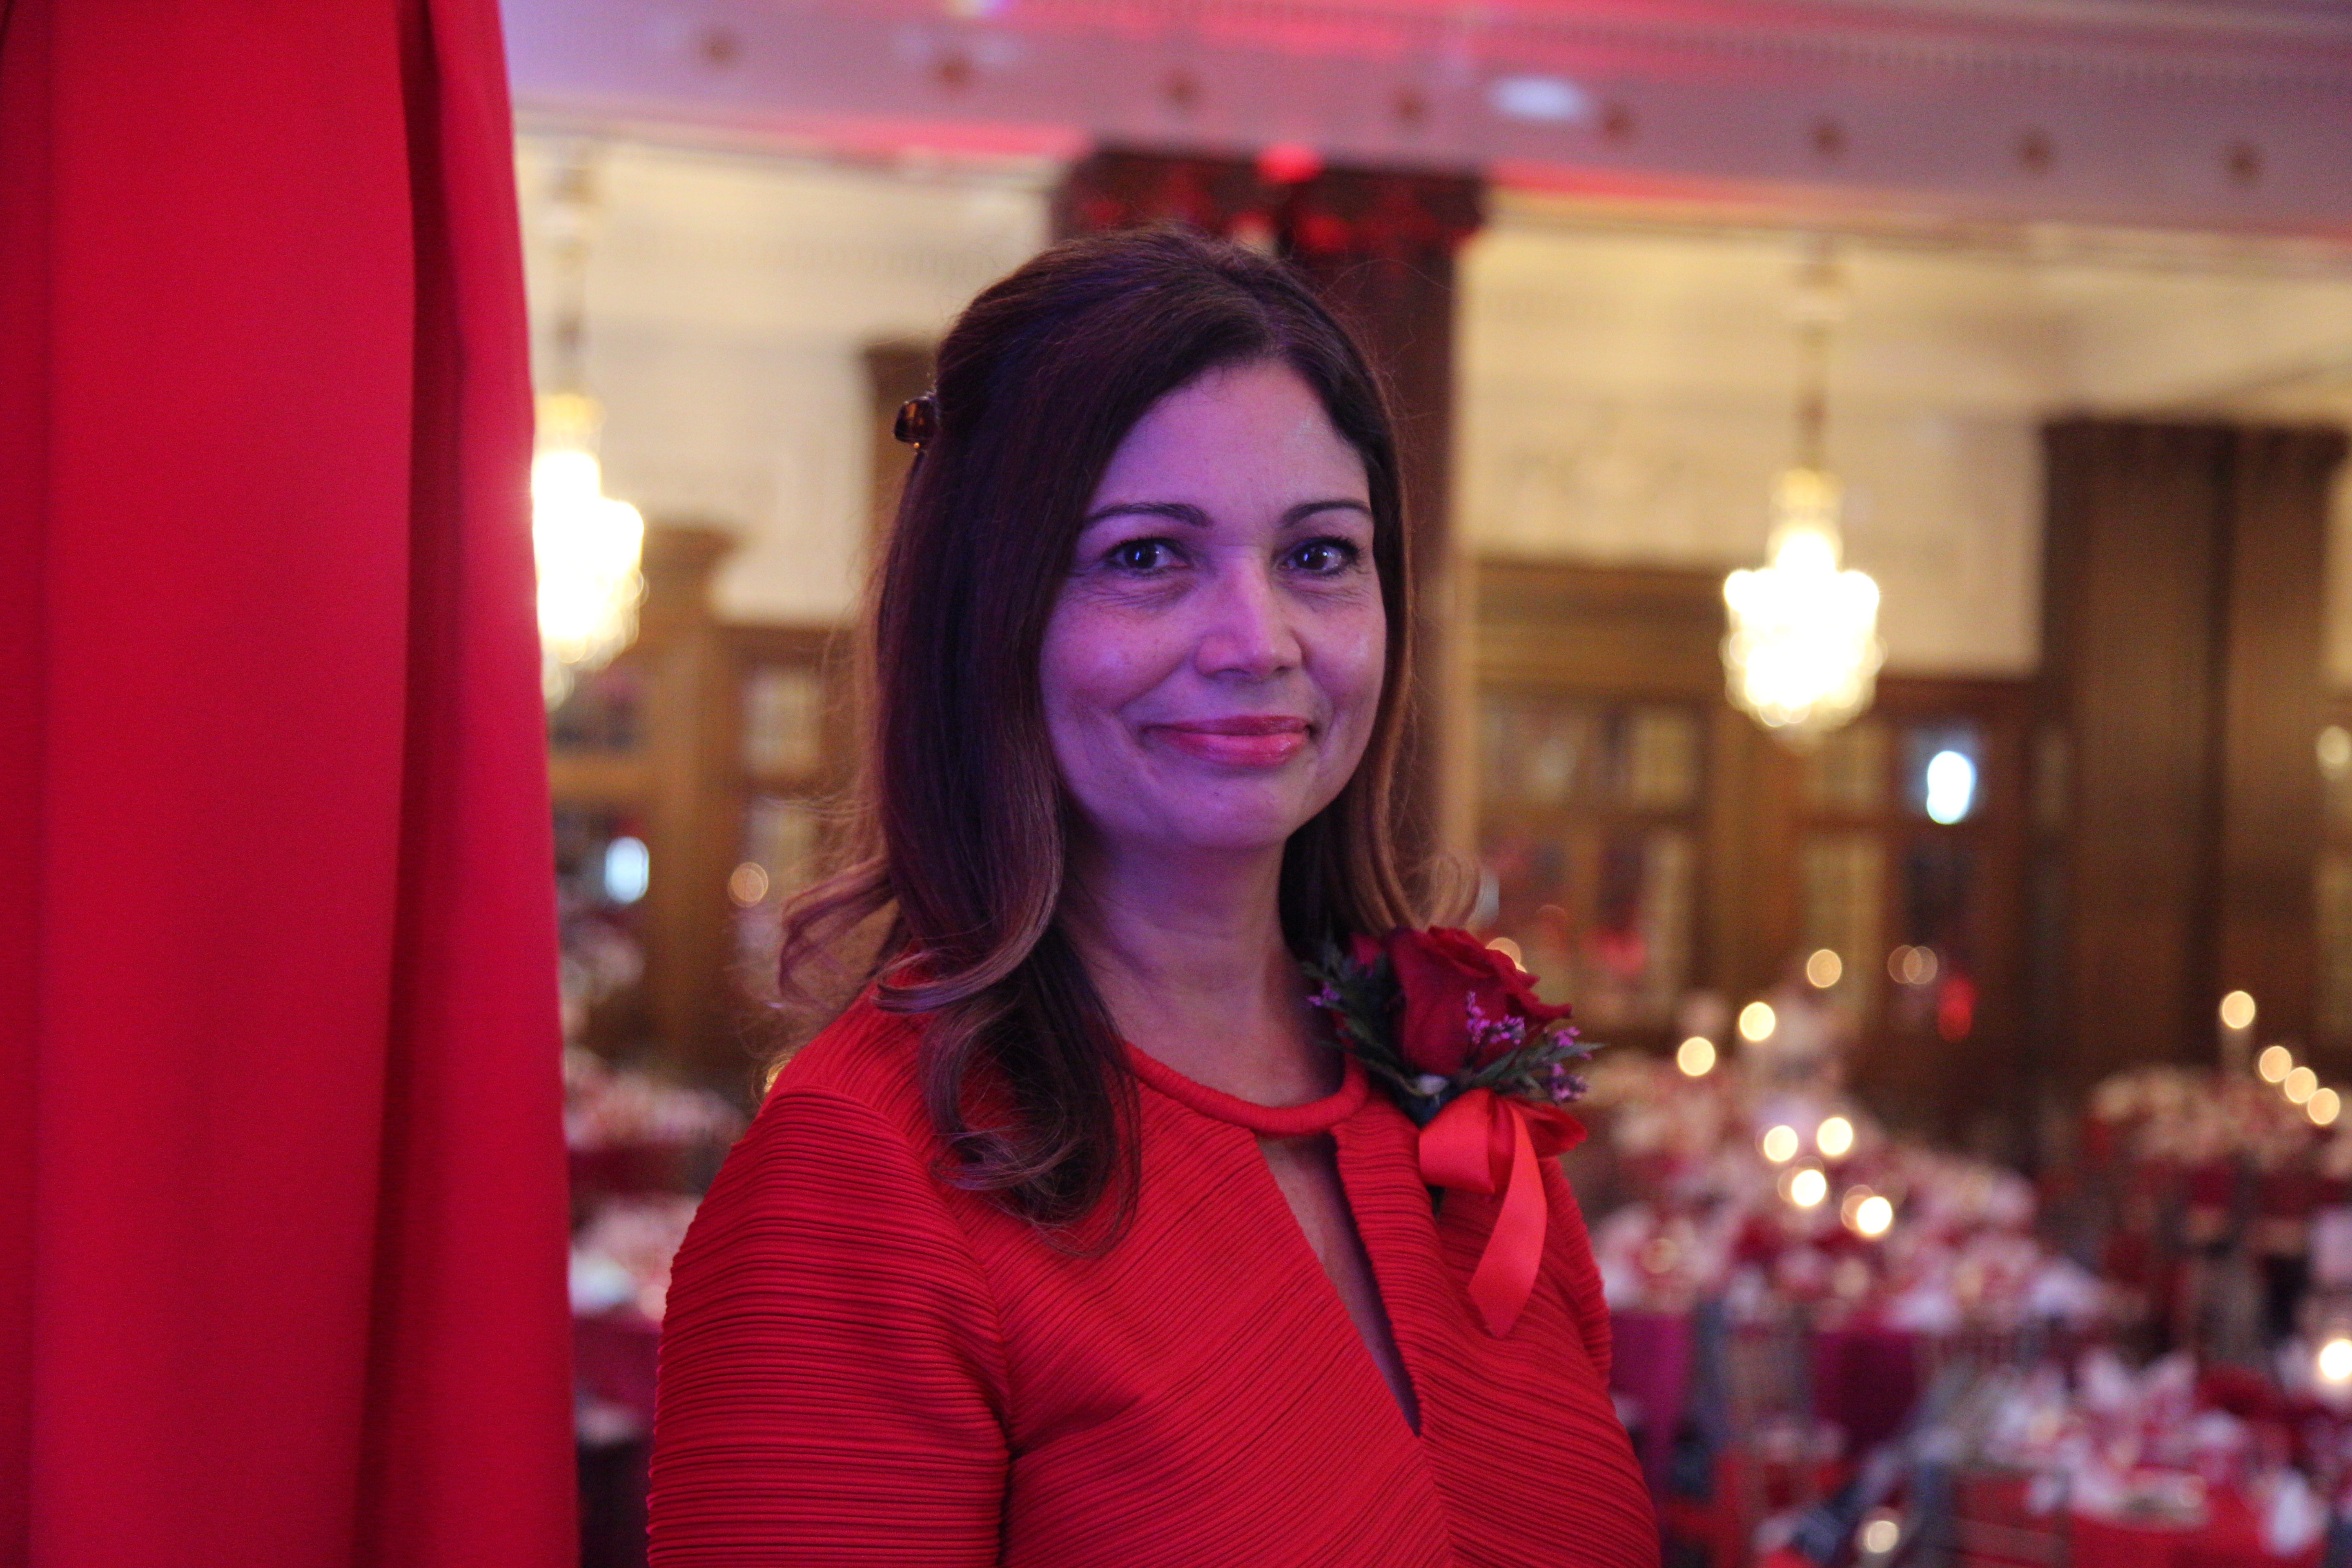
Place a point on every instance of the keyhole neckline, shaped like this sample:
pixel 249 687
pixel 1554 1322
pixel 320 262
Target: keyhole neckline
pixel 1266 1121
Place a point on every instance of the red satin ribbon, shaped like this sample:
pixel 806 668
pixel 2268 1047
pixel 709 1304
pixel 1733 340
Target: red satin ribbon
pixel 1484 1142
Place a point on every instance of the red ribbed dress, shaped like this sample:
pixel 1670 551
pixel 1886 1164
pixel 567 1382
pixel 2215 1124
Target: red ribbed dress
pixel 862 1365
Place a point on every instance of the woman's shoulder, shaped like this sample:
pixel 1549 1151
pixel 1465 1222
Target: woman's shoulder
pixel 867 1056
pixel 842 1122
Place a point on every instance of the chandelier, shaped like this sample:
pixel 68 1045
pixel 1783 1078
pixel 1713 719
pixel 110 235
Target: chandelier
pixel 1802 654
pixel 587 545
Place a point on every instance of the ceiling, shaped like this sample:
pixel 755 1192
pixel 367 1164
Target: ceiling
pixel 2220 116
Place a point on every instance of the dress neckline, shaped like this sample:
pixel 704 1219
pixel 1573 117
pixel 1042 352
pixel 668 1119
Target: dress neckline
pixel 1266 1121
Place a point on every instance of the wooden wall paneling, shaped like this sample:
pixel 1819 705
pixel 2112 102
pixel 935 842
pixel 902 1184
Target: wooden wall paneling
pixel 685 660
pixel 594 780
pixel 2273 705
pixel 2183 680
pixel 636 750
pixel 1751 917
pixel 2135 531
pixel 1619 629
pixel 1976 1090
pixel 2048 1032
pixel 1618 636
pixel 2332 1030
pixel 1630 636
pixel 808 781
pixel 2000 1079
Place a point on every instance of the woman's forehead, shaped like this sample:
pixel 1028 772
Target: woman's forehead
pixel 1247 435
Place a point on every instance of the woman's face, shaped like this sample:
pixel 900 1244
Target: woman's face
pixel 1213 663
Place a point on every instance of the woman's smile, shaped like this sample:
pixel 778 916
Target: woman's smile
pixel 1247 740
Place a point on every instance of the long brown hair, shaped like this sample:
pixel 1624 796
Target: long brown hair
pixel 963 821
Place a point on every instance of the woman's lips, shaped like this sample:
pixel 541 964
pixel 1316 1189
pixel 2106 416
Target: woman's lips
pixel 1251 742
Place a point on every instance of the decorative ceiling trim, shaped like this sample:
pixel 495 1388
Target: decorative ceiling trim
pixel 2225 117
pixel 2212 43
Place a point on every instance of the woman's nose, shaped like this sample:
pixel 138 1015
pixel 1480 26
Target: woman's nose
pixel 1247 629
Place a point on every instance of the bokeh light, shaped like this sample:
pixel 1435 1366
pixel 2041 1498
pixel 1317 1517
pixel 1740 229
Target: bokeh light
pixel 2335 750
pixel 1757 1021
pixel 2238 1010
pixel 1908 965
pixel 1695 1056
pixel 628 869
pixel 1779 1144
pixel 1823 969
pixel 1951 787
pixel 748 884
pixel 1834 1137
pixel 2274 1063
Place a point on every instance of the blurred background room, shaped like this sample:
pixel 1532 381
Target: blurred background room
pixel 1878 466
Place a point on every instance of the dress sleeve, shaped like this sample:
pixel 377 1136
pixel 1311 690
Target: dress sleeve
pixel 831 1364
pixel 1568 1257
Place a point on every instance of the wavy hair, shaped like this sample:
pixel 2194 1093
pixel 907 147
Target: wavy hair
pixel 961 846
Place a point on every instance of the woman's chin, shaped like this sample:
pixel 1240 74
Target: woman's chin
pixel 1237 833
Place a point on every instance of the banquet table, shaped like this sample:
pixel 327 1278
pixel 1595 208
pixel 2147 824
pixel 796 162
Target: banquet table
pixel 2230 1538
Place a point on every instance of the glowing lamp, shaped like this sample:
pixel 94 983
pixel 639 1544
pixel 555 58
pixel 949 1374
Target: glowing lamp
pixel 1802 654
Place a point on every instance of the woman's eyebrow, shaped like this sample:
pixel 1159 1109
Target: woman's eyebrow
pixel 1307 509
pixel 1192 516
pixel 1175 510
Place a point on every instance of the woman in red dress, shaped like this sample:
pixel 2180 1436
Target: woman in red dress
pixel 1078 1239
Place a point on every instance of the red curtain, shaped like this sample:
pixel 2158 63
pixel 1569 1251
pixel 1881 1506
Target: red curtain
pixel 281 1206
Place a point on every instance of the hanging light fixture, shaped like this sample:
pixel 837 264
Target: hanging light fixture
pixel 1802 654
pixel 588 546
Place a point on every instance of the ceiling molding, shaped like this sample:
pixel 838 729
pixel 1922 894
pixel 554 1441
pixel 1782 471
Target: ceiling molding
pixel 2201 114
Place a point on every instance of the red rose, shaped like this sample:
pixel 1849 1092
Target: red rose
pixel 1440 972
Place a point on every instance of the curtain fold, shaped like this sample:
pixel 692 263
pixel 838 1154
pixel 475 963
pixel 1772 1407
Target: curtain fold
pixel 281 1200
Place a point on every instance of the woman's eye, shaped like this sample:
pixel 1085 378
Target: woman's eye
pixel 1140 554
pixel 1325 557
